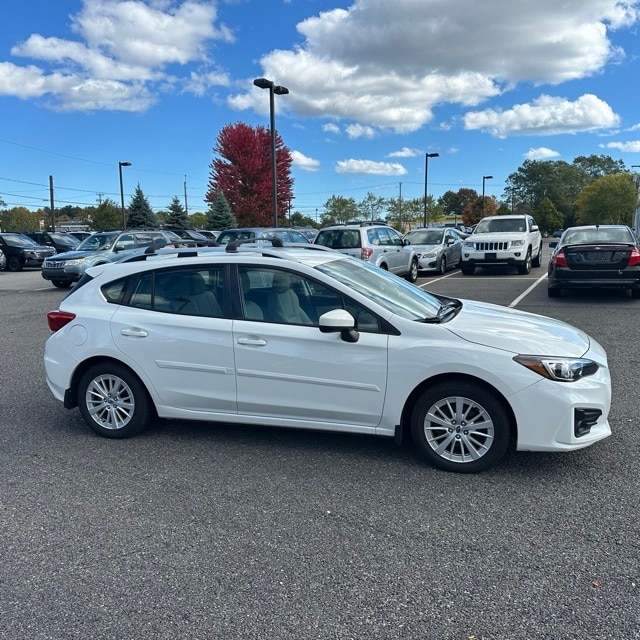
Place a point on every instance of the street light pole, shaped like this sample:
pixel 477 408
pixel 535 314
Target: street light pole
pixel 120 165
pixel 263 83
pixel 483 180
pixel 426 174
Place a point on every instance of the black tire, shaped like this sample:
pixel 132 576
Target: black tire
pixel 14 264
pixel 61 284
pixel 554 292
pixel 537 261
pixel 447 444
pixel 467 271
pixel 525 267
pixel 113 401
pixel 412 276
pixel 443 266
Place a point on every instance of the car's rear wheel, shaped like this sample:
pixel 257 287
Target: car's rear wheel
pixel 14 264
pixel 113 401
pixel 467 271
pixel 443 265
pixel 525 267
pixel 461 427
pixel 61 284
pixel 412 276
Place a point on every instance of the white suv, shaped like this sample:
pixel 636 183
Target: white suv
pixel 500 241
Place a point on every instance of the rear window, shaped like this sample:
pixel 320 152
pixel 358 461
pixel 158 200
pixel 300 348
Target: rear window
pixel 339 238
pixel 588 236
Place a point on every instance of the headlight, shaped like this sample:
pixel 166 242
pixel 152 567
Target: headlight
pixel 517 243
pixel 431 254
pixel 30 255
pixel 559 369
pixel 469 245
pixel 75 261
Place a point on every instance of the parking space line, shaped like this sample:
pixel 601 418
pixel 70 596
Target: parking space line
pixel 531 288
pixel 453 273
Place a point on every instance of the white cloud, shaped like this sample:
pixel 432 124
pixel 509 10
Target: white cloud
pixel 632 146
pixel 120 57
pixel 304 162
pixel 359 131
pixel 541 153
pixel 405 152
pixel 370 167
pixel 331 128
pixel 547 115
pixel 388 64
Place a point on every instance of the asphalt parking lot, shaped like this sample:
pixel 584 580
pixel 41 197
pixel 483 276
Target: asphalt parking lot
pixel 207 531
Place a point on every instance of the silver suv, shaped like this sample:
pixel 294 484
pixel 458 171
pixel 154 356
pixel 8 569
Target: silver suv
pixel 376 243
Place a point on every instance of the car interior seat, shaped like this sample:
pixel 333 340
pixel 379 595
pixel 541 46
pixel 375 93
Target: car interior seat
pixel 188 294
pixel 251 309
pixel 284 305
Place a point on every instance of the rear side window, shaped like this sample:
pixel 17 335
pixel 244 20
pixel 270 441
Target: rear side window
pixel 340 238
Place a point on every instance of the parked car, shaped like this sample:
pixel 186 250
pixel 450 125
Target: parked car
pixel 598 256
pixel 81 235
pixel 499 241
pixel 209 235
pixel 436 249
pixel 194 236
pixel 253 234
pixel 63 269
pixel 303 337
pixel 21 251
pixel 3 260
pixel 375 243
pixel 61 242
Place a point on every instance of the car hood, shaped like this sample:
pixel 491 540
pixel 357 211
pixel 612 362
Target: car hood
pixel 517 331
pixel 501 236
pixel 426 247
pixel 73 255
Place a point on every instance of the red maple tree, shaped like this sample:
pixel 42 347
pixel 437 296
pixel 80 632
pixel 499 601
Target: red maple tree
pixel 242 172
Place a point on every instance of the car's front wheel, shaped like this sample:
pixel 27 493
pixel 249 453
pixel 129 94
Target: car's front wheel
pixel 537 261
pixel 14 264
pixel 443 266
pixel 113 401
pixel 525 267
pixel 466 270
pixel 61 284
pixel 412 276
pixel 460 426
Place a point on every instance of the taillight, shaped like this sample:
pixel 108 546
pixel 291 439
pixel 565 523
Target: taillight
pixel 365 253
pixel 634 258
pixel 58 319
pixel 560 260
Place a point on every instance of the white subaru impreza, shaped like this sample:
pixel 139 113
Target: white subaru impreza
pixel 306 337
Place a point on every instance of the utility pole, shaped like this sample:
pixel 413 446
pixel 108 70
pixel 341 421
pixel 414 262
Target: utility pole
pixel 53 213
pixel 186 206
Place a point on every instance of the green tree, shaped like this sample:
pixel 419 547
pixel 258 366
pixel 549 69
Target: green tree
pixel 300 220
pixel 219 215
pixel 139 214
pixel 474 211
pixel 371 207
pixel 18 219
pixel 611 199
pixel 198 220
pixel 106 216
pixel 549 219
pixel 598 166
pixel 339 209
pixel 177 216
pixel 453 203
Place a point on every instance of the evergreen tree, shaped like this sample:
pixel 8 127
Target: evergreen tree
pixel 177 218
pixel 140 215
pixel 219 215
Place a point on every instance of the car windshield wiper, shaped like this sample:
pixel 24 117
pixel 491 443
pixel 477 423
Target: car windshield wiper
pixel 446 310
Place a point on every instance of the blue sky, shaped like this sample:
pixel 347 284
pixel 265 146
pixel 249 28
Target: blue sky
pixel 374 85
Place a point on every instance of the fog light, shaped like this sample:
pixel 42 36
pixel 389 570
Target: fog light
pixel 583 420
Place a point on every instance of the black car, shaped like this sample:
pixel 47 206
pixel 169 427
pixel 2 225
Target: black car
pixel 21 251
pixel 593 257
pixel 61 242
pixel 194 236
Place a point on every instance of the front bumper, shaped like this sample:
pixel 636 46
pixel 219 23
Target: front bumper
pixel 493 258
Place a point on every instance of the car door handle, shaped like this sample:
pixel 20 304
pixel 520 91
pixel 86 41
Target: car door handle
pixel 252 342
pixel 134 333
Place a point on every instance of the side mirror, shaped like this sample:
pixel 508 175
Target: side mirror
pixel 535 227
pixel 339 321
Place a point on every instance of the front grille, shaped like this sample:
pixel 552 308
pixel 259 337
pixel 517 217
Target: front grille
pixel 492 246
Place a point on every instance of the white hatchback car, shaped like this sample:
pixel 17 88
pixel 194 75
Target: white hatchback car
pixel 307 337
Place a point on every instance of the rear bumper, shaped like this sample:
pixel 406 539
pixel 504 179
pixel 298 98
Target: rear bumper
pixel 591 280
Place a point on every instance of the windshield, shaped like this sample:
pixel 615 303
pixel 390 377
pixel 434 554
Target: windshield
pixel 68 241
pixel 425 236
pixel 18 240
pixel 501 225
pixel 588 236
pixel 387 290
pixel 97 242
